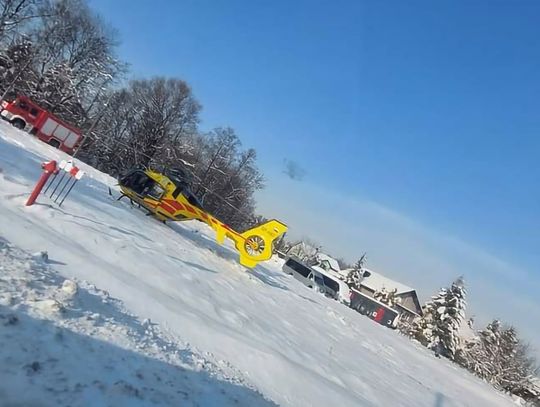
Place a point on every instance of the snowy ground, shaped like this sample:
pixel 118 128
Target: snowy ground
pixel 72 344
pixel 258 330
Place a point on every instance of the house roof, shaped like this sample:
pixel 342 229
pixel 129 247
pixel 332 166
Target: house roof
pixel 333 262
pixel 377 281
pixel 302 247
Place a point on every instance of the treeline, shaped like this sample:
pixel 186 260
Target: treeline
pixel 63 55
pixel 496 353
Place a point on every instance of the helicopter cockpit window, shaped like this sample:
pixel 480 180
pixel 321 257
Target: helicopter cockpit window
pixel 155 191
pixel 137 181
pixel 176 192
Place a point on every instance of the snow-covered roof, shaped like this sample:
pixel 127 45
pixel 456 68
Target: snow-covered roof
pixel 334 265
pixel 302 248
pixel 377 281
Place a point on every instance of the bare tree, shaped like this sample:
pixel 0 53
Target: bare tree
pixel 148 123
pixel 228 178
pixel 15 14
pixel 74 58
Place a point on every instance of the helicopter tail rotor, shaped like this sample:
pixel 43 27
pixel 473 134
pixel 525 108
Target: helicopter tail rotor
pixel 257 243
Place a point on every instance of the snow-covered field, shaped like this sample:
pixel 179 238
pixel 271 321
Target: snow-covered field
pixel 219 334
pixel 65 343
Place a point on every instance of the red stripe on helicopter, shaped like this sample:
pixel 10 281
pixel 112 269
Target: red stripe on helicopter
pixel 204 215
pixel 168 208
pixel 190 209
pixel 175 204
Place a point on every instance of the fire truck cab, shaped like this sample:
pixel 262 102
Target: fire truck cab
pixel 26 115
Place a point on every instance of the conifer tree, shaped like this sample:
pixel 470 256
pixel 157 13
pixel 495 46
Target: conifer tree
pixel 498 356
pixel 438 328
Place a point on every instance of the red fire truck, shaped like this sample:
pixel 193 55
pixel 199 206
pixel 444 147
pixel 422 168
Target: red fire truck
pixel 25 114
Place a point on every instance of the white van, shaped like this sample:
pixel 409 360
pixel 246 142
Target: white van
pixel 331 285
pixel 299 271
pixel 314 276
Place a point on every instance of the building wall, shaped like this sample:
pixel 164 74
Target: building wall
pixel 410 301
pixel 367 291
pixel 407 301
pixel 405 314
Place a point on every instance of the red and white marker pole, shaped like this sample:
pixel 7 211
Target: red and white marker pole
pixel 77 175
pixel 49 168
pixel 68 169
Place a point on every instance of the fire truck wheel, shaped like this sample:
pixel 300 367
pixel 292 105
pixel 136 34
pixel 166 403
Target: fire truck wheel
pixel 20 124
pixel 54 143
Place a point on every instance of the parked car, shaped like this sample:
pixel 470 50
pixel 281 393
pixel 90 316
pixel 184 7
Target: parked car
pixel 331 285
pixel 299 271
pixel 316 277
pixel 374 309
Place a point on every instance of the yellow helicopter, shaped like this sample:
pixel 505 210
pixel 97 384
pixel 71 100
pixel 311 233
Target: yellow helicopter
pixel 168 197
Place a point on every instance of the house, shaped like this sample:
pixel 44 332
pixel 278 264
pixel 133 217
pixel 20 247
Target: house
pixel 328 263
pixel 302 251
pixel 409 306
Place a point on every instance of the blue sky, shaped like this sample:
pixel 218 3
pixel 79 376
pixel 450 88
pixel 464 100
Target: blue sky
pixel 417 124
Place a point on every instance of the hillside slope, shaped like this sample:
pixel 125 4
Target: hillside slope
pixel 294 346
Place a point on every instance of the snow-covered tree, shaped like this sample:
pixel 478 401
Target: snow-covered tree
pixel 14 73
pixel 72 36
pixel 438 328
pixel 355 275
pixel 305 250
pixel 359 265
pixel 388 297
pixel 498 356
pixel 63 60
pixel 15 14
